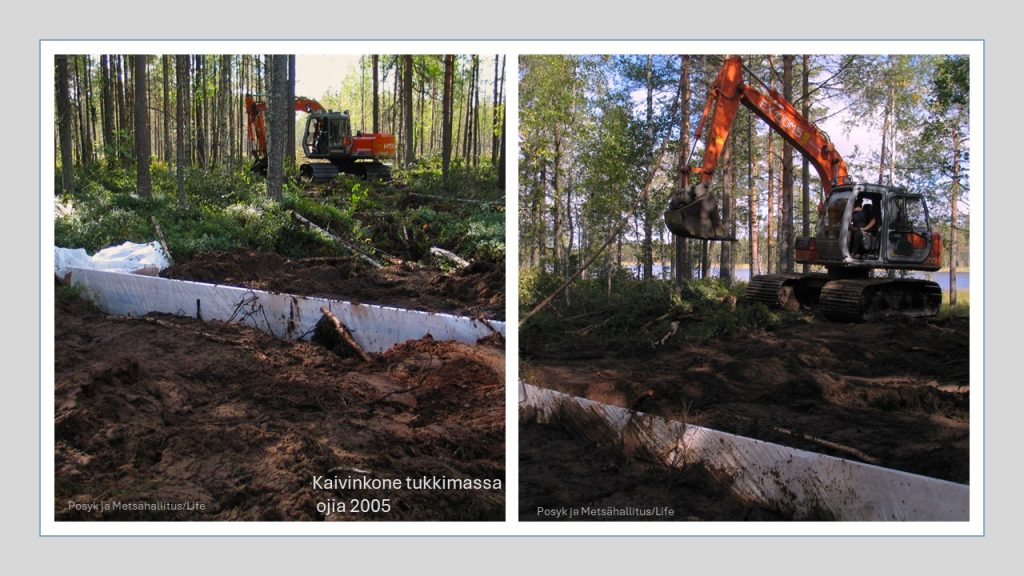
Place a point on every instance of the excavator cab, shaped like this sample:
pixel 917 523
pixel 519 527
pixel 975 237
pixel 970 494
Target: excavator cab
pixel 326 134
pixel 901 237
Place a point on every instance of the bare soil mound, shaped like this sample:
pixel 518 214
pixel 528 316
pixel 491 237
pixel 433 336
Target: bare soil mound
pixel 477 290
pixel 558 471
pixel 158 412
pixel 898 391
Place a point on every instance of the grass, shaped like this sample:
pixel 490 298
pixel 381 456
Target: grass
pixel 962 307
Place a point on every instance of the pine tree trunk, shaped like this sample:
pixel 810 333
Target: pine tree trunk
pixel 289 153
pixel 199 99
pixel 91 108
pixel 181 124
pixel 752 203
pixel 542 211
pixel 501 138
pixel 83 115
pixel 422 124
pixel 410 124
pixel 107 110
pixel 223 110
pixel 805 182
pixel 884 154
pixel 476 111
pixel 647 255
pixel 953 213
pixel 376 94
pixel 705 258
pixel 64 126
pixel 770 239
pixel 395 127
pixel 556 225
pixel 231 138
pixel 786 249
pixel 165 61
pixel 433 117
pixel 727 265
pixel 186 95
pixel 446 120
pixel 494 115
pixel 122 131
pixel 683 266
pixel 143 181
pixel 77 125
pixel 278 134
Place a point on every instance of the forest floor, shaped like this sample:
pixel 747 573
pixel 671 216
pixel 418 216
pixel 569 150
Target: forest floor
pixel 168 418
pixel 477 290
pixel 896 391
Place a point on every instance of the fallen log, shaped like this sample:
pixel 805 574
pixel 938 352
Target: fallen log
pixel 459 200
pixel 828 444
pixel 450 256
pixel 163 241
pixel 310 224
pixel 343 333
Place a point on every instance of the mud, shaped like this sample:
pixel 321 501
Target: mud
pixel 477 290
pixel 165 418
pixel 558 471
pixel 898 391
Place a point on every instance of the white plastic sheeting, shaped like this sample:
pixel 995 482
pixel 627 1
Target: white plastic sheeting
pixel 128 257
pixel 796 482
pixel 375 328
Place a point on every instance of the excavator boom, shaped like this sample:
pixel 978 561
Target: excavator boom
pixel 724 98
pixel 693 212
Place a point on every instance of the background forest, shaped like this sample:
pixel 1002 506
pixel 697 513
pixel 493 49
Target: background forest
pixel 145 138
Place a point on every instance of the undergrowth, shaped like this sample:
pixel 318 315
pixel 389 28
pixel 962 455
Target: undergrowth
pixel 230 211
pixel 623 315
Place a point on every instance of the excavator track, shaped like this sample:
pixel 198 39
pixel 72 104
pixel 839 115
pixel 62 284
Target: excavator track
pixel 375 170
pixel 857 300
pixel 318 172
pixel 786 291
pixel 848 300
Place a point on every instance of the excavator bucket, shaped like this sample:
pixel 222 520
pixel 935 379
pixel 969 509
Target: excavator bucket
pixel 695 214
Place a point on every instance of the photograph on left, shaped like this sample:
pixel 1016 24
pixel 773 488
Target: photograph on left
pixel 279 287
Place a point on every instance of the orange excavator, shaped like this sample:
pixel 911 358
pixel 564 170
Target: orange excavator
pixel 861 227
pixel 327 136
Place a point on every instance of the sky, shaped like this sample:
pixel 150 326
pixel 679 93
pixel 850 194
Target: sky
pixel 316 74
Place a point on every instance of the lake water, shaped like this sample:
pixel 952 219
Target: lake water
pixel 963 279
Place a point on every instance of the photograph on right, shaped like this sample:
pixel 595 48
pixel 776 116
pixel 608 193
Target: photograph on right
pixel 744 287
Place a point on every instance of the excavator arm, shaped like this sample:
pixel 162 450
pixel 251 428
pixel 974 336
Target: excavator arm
pixel 693 212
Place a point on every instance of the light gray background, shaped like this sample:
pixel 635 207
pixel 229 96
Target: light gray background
pixel 25 25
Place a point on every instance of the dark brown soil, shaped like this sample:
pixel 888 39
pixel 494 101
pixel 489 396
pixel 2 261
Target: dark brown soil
pixel 897 391
pixel 477 290
pixel 593 483
pixel 166 411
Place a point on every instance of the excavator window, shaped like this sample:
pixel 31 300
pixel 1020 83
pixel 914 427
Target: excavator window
pixel 908 231
pixel 835 214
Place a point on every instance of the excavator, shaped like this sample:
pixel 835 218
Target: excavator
pixel 899 235
pixel 327 136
